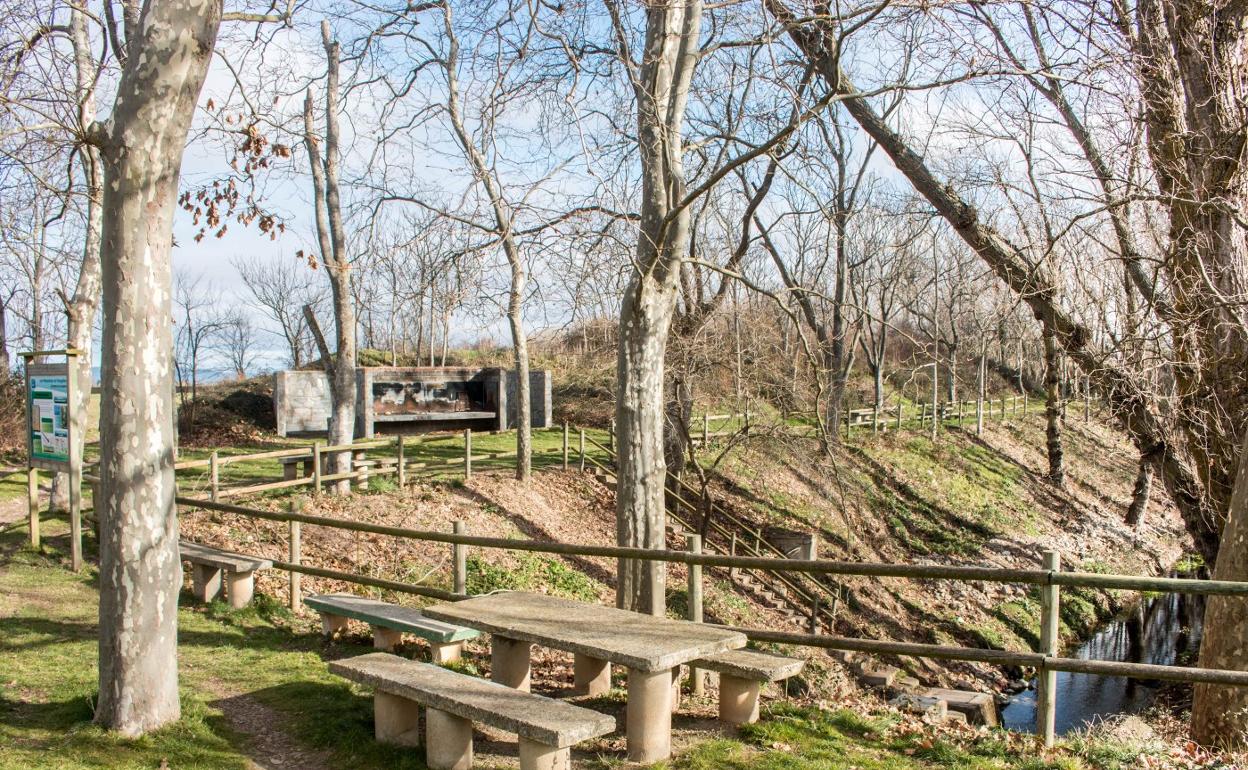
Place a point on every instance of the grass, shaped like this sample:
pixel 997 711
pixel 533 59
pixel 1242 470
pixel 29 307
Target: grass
pixel 274 661
pixel 531 572
pixel 443 454
pixel 806 738
pixel 48 688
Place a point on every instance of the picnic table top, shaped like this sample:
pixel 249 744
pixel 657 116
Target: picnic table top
pixel 641 642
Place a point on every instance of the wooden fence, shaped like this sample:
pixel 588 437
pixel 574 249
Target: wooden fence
pixel 1049 577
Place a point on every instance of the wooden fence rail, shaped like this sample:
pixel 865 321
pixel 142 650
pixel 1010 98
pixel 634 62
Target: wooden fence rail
pixel 1050 578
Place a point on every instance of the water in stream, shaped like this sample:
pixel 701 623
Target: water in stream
pixel 1158 631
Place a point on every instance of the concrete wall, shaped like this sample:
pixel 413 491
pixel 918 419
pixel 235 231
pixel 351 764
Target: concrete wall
pixel 541 412
pixel 301 402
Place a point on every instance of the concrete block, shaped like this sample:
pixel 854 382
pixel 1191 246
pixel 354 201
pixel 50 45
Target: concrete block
pixel 537 756
pixel 738 700
pixel 448 741
pixel 980 708
pixel 396 720
pixel 591 676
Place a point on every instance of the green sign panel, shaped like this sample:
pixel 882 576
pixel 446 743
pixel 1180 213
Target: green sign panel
pixel 48 407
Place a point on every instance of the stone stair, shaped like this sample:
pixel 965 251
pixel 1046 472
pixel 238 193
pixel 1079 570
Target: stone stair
pixel 904 691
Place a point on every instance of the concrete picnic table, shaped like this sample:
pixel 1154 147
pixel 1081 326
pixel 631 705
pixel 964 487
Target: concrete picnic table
pixel 652 649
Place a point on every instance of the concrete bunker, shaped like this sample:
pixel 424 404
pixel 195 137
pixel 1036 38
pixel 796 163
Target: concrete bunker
pixel 409 400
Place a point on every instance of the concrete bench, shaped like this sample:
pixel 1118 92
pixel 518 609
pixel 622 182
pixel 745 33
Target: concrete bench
pixel 741 675
pixel 210 566
pixel 453 702
pixel 290 466
pixel 389 622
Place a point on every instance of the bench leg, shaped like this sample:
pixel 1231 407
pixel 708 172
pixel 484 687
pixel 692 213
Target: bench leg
pixel 649 715
pixel 396 720
pixel 539 756
pixel 205 582
pixel 333 625
pixel 697 682
pixel 675 689
pixel 591 676
pixel 448 741
pixel 385 638
pixel 307 468
pixel 509 662
pixel 239 587
pixel 449 652
pixel 738 700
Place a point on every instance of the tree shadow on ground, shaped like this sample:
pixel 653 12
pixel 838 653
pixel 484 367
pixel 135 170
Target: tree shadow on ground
pixel 535 532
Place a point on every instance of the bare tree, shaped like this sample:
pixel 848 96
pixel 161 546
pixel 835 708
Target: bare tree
pixel 660 81
pixel 236 342
pixel 280 292
pixel 331 240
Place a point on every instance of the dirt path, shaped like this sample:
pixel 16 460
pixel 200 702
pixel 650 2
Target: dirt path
pixel 269 745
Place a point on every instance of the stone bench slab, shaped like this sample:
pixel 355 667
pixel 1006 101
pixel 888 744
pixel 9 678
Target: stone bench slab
pixel 397 617
pixel 227 560
pixel 543 720
pixel 751 664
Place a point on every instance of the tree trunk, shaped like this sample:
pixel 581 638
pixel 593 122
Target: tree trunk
pixel 1053 406
pixel 332 241
pixel 140 573
pixel 1218 712
pixel 1140 495
pixel 661 87
pixel 504 221
pixel 82 308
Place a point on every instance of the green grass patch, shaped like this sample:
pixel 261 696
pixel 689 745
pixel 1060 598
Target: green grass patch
pixel 532 572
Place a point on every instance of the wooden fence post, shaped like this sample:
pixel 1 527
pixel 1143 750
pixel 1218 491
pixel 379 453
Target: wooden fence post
pixel 1003 409
pixel 582 450
pixel 467 453
pixel 1046 678
pixel 565 445
pixel 611 436
pixel 732 551
pixel 214 474
pixel 459 554
pixel 693 544
pixel 402 469
pixel 1024 404
pixel 316 468
pixel 296 558
pixel 814 614
pixel 706 429
pixel 899 407
pixel 32 501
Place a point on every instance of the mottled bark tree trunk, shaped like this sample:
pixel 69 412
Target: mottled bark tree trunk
pixel 170 47
pixel 1053 405
pixel 661 86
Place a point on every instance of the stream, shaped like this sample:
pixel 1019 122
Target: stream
pixel 1159 630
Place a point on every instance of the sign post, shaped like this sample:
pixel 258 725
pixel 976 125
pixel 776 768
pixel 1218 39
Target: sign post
pixel 53 422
